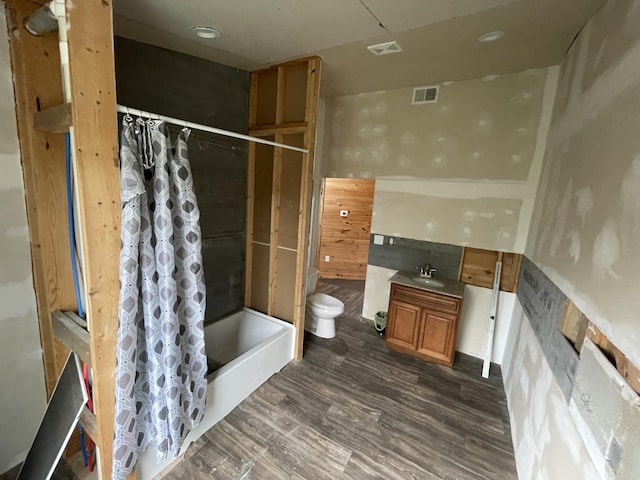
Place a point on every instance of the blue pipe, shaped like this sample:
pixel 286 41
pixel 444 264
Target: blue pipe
pixel 72 231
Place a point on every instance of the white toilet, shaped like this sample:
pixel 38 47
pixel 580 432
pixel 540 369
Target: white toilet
pixel 322 309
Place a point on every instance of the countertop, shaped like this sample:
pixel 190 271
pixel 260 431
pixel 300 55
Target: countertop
pixel 451 288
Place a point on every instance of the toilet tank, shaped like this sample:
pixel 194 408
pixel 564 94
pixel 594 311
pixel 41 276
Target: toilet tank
pixel 312 280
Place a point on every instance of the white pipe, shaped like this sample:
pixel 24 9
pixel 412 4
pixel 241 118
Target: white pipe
pixel 206 128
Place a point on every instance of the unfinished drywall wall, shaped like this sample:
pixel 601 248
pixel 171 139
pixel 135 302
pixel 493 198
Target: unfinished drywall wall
pixel 490 223
pixel 483 128
pixel 190 88
pixel 547 444
pixel 587 222
pixel 584 233
pixel 23 398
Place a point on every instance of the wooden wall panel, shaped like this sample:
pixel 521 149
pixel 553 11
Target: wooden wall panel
pixel 478 267
pixel 345 240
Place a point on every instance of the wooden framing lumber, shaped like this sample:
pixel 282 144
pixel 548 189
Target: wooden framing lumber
pixel 72 335
pixel 55 119
pixel 285 129
pixel 313 90
pixel 281 95
pixel 251 171
pixel 279 129
pixel 35 62
pixel 95 146
pixel 275 222
pixel 88 422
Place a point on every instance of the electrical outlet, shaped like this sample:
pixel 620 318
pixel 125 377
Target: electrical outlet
pixel 327 258
pixel 390 240
pixel 378 239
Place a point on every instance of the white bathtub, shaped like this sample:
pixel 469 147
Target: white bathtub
pixel 252 346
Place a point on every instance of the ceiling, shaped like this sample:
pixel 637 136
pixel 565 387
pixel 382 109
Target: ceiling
pixel 438 37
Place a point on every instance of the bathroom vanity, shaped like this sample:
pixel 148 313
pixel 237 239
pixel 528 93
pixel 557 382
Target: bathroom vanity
pixel 423 317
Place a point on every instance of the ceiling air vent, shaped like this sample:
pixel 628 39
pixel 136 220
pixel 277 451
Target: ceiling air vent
pixel 422 95
pixel 385 48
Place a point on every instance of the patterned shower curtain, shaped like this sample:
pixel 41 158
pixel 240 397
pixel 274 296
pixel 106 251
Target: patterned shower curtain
pixel 161 363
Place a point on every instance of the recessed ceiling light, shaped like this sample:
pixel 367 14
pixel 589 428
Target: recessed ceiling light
pixel 491 36
pixel 206 32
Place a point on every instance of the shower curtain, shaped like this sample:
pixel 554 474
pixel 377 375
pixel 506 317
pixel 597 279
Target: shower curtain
pixel 161 363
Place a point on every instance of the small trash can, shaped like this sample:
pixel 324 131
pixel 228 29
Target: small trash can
pixel 381 322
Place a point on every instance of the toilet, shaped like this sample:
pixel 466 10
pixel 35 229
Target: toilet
pixel 322 309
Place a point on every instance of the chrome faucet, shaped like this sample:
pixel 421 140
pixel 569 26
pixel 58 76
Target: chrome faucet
pixel 426 271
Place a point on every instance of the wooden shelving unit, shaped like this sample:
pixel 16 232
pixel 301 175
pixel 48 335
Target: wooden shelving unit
pixel 283 107
pixel 42 117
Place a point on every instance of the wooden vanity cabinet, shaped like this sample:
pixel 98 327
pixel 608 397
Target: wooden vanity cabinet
pixel 423 323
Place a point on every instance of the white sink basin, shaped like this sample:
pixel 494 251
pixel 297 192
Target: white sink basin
pixel 428 281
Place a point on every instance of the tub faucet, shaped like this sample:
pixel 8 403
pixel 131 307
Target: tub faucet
pixel 426 271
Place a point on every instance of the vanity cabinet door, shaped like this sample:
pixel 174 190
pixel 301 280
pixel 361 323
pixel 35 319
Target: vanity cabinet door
pixel 436 339
pixel 403 323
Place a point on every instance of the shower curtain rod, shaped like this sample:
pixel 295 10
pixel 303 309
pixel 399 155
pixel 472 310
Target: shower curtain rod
pixel 205 128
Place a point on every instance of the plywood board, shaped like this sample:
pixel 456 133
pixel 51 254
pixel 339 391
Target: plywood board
pixel 266 97
pixel 263 189
pixel 260 278
pixel 286 280
pixel 295 92
pixel 478 268
pixel 291 180
pixel 345 240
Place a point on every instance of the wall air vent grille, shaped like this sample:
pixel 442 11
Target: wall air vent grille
pixel 422 95
pixel 385 48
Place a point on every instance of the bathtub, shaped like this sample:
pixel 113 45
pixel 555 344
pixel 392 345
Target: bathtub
pixel 251 347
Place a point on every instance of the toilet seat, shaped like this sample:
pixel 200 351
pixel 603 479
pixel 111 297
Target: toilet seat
pixel 326 304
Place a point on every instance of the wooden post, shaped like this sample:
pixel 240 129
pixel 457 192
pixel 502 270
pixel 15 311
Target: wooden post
pixel 275 226
pixel 313 88
pixel 35 62
pixel 93 101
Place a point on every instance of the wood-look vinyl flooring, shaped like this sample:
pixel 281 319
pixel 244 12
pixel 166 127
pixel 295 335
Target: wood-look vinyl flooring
pixel 352 409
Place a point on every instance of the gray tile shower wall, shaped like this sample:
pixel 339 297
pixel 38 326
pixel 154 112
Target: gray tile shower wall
pixel 406 254
pixel 194 89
